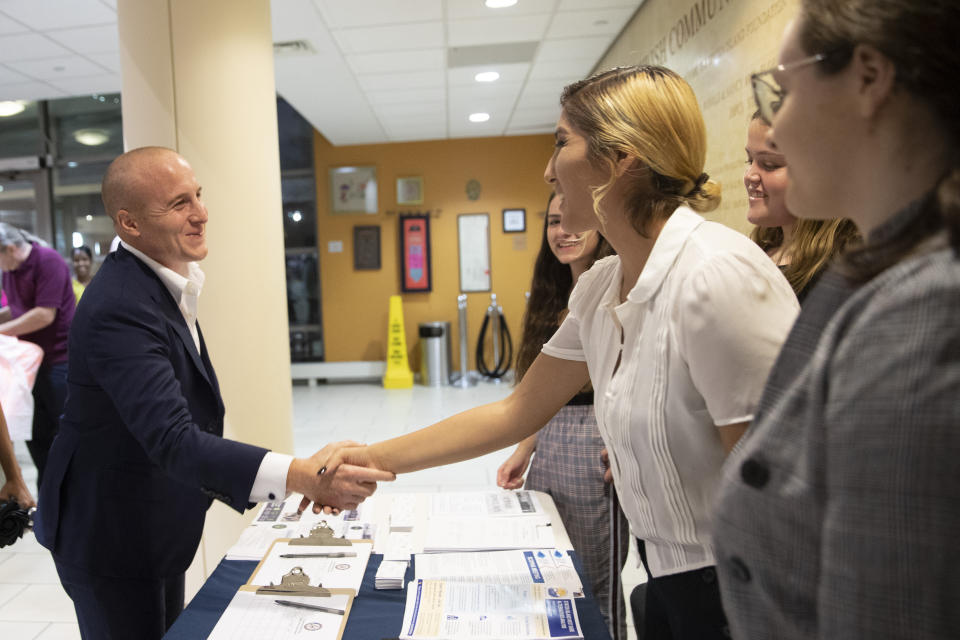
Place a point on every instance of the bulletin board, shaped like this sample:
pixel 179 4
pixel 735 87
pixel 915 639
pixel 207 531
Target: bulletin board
pixel 473 232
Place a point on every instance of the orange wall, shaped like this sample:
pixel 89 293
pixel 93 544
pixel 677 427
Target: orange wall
pixel 355 303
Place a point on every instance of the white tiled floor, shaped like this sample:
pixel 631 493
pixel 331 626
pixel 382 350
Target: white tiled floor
pixel 33 606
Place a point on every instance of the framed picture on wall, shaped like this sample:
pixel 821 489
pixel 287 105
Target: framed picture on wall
pixel 514 220
pixel 410 190
pixel 366 247
pixel 473 233
pixel 415 274
pixel 353 190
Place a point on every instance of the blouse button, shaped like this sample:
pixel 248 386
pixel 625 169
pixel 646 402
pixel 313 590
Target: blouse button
pixel 738 569
pixel 754 473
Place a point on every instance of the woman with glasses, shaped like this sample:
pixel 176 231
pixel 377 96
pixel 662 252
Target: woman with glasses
pixel 677 334
pixel 801 248
pixel 838 517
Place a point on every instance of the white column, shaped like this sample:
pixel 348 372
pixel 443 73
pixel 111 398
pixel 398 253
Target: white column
pixel 198 77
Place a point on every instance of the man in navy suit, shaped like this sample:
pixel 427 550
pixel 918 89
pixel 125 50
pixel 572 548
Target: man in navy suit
pixel 140 457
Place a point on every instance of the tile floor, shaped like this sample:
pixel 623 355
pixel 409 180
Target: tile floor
pixel 33 606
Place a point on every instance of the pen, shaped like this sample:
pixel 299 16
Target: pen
pixel 312 607
pixel 332 554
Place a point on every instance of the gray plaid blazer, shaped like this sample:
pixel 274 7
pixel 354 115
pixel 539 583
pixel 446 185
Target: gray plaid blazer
pixel 839 515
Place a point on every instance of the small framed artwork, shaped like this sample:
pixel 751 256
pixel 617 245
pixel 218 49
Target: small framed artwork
pixel 410 190
pixel 415 275
pixel 514 220
pixel 366 247
pixel 353 190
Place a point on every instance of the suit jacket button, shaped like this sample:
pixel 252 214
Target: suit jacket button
pixel 738 569
pixel 754 473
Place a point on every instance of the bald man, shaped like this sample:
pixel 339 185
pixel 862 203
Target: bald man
pixel 140 457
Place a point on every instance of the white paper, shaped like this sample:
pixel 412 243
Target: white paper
pixel 253 617
pixel 489 504
pixel 475 534
pixel 331 573
pixel 437 609
pixel 399 546
pixel 550 567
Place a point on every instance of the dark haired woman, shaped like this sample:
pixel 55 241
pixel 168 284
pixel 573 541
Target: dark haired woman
pixel 82 267
pixel 567 465
pixel 838 516
pixel 801 248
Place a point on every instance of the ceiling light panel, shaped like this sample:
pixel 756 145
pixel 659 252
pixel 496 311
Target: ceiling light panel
pixel 457 9
pixel 466 76
pixel 101 39
pixel 477 31
pixel 56 68
pixel 58 14
pixel 573 5
pixel 29 91
pixel 596 22
pixel 573 48
pixel 29 46
pixel 401 37
pixel 391 61
pixel 410 95
pixel 367 13
pixel 412 80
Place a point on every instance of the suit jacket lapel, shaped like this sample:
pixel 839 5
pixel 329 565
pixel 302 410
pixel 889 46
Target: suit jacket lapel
pixel 168 307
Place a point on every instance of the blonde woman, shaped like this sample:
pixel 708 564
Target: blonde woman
pixel 801 248
pixel 676 333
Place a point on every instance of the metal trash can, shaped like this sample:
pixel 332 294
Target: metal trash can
pixel 435 364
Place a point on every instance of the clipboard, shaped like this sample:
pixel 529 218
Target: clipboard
pixel 238 627
pixel 308 589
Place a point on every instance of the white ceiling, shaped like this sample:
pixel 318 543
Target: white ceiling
pixel 375 71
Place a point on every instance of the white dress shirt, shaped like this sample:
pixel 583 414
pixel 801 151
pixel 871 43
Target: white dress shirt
pixel 700 328
pixel 271 480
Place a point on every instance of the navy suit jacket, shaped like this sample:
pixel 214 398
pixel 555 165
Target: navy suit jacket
pixel 139 456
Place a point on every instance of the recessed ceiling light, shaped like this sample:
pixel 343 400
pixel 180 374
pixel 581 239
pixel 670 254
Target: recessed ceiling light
pixel 91 137
pixel 11 108
pixel 89 217
pixel 487 76
pixel 500 4
pixel 479 117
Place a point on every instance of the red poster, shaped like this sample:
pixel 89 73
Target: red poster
pixel 415 253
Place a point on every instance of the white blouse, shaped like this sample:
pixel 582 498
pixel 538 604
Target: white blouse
pixel 700 330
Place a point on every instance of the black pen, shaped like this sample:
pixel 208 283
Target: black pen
pixel 332 554
pixel 311 607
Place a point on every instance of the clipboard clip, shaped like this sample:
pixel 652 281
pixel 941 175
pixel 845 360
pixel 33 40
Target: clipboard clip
pixel 321 535
pixel 295 583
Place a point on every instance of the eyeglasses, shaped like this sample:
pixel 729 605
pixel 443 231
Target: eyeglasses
pixel 767 91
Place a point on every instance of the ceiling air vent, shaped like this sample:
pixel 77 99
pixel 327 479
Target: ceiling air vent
pixel 293 48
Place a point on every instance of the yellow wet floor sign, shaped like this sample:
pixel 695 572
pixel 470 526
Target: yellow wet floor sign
pixel 398 374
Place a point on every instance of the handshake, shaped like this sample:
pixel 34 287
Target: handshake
pixel 339 476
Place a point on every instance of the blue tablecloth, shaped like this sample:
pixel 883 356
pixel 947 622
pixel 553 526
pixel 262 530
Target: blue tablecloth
pixel 375 614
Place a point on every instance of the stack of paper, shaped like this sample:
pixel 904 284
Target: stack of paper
pixel 390 574
pixel 437 609
pixel 550 567
pixel 484 504
pixel 258 617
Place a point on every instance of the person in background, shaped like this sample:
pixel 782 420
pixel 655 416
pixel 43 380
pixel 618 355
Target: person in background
pixel 567 465
pixel 801 248
pixel 83 269
pixel 838 514
pixel 14 488
pixel 676 347
pixel 40 309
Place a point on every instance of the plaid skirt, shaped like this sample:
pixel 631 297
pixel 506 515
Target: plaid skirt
pixel 567 466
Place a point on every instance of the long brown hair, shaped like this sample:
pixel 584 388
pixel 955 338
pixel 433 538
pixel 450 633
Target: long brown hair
pixel 920 39
pixel 549 291
pixel 814 244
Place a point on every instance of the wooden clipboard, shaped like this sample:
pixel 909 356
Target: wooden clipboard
pixel 349 593
pixel 287 540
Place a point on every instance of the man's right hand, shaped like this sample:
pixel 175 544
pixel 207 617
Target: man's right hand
pixel 343 486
